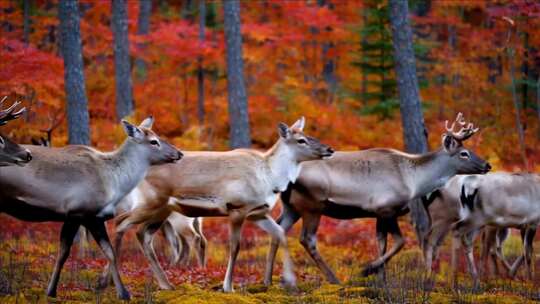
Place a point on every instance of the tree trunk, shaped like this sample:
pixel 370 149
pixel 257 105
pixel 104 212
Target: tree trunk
pixel 412 119
pixel 329 66
pixel 538 104
pixel 77 105
pixel 519 126
pixel 525 76
pixel 200 69
pixel 414 130
pixel 143 27
pixel 122 69
pixel 238 107
pixel 26 21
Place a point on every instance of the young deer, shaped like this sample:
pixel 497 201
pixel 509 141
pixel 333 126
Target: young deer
pixel 504 200
pixel 372 183
pixel 240 184
pixel 92 183
pixel 10 152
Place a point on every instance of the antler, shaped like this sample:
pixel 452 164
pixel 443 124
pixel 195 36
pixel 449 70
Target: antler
pixel 467 130
pixel 9 113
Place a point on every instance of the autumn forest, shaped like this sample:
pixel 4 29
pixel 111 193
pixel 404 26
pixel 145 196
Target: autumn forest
pixel 202 75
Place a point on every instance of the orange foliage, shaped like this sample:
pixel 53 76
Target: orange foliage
pixel 284 61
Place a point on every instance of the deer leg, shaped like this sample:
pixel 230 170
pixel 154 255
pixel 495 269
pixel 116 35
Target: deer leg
pixel 185 249
pixel 172 239
pixel 286 220
pixel 99 232
pixel 145 236
pixel 517 263
pixel 489 236
pixel 456 244
pixel 106 278
pixel 84 242
pixel 467 241
pixel 308 239
pixel 69 230
pixel 529 238
pixel 236 222
pixel 271 227
pixel 502 234
pixel 201 242
pixel 432 243
pixel 393 228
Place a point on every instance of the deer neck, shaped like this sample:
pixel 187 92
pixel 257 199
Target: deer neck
pixel 430 171
pixel 283 165
pixel 127 166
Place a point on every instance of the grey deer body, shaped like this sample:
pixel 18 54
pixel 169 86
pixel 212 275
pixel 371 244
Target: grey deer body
pixel 79 185
pixel 372 183
pixel 446 209
pixel 240 184
pixel 503 200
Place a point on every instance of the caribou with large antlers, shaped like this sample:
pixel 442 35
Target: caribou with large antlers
pixel 10 152
pixel 372 183
pixel 78 185
pixel 240 184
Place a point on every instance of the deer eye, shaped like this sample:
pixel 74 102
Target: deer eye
pixel 154 142
pixel 464 154
pixel 301 141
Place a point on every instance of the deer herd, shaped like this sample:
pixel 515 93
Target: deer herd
pixel 149 184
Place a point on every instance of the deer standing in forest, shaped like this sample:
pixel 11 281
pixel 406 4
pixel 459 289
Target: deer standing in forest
pixel 375 183
pixel 445 209
pixel 241 184
pixel 92 183
pixel 10 152
pixel 504 200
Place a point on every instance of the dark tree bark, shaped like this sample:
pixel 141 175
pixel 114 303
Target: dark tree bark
pixel 122 68
pixel 200 69
pixel 412 119
pixel 329 65
pixel 143 27
pixel 238 107
pixel 538 104
pixel 26 21
pixel 77 105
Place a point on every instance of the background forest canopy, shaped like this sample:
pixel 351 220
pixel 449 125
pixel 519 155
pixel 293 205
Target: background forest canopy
pixel 330 61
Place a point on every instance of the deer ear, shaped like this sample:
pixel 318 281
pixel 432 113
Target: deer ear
pixel 299 124
pixel 132 131
pixel 147 122
pixel 449 143
pixel 283 130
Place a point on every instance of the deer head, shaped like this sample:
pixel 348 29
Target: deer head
pixel 10 152
pixel 159 150
pixel 304 147
pixel 464 160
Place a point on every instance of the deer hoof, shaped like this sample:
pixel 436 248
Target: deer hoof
pixel 103 282
pixel 372 269
pixel 124 295
pixel 166 286
pixel 51 293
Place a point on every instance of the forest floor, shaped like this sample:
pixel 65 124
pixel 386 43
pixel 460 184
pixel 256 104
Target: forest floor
pixel 28 251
